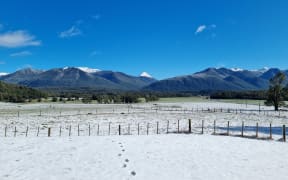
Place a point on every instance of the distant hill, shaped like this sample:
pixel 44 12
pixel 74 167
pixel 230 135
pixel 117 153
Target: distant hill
pixel 15 93
pixel 71 77
pixel 214 79
pixel 83 78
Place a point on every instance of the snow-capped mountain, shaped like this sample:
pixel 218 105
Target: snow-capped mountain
pixel 88 70
pixel 3 74
pixel 215 79
pixel 84 69
pixel 77 77
pixel 263 70
pixel 236 69
pixel 145 74
pixel 211 79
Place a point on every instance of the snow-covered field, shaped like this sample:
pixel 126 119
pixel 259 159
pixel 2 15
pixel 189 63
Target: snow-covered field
pixel 142 157
pixel 105 119
pixel 106 155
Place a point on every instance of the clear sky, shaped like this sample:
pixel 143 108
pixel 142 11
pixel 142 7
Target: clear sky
pixel 164 38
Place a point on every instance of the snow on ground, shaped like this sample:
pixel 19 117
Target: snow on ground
pixel 66 115
pixel 142 157
pixel 103 155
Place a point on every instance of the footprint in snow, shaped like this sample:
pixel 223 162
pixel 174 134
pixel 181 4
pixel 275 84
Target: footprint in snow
pixel 133 173
pixel 126 160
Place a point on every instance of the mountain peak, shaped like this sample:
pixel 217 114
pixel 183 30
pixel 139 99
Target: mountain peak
pixel 3 74
pixel 236 69
pixel 85 69
pixel 88 70
pixel 145 74
pixel 264 69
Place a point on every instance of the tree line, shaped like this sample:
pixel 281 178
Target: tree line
pixel 19 94
pixel 275 96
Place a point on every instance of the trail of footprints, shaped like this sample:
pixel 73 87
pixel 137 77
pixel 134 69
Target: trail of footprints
pixel 126 161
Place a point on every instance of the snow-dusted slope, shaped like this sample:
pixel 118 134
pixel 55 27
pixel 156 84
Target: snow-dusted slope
pixel 88 70
pixel 168 157
pixel 145 74
pixel 3 74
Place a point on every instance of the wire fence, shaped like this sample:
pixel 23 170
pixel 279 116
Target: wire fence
pixel 247 130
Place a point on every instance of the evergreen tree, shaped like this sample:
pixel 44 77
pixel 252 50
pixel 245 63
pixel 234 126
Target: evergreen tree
pixel 275 93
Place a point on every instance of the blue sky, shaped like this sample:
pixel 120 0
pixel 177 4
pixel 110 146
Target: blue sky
pixel 165 38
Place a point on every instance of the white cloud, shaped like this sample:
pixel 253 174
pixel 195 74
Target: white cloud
pixel 21 54
pixel 204 27
pixel 14 39
pixel 73 31
pixel 200 29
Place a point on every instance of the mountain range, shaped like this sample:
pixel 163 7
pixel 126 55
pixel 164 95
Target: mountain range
pixel 211 79
pixel 72 77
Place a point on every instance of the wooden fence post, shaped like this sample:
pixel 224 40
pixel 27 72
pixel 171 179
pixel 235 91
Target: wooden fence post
pixel 138 128
pixel 228 128
pixel 157 131
pixel 128 129
pixel 178 126
pixel 119 129
pixel 189 125
pixel 242 129
pixel 270 129
pixel 70 130
pixel 15 131
pixel 202 130
pixel 49 132
pixel 78 130
pixel 284 133
pixel 257 129
pixel 214 127
pixel 109 127
pixel 167 127
pixel 98 128
pixel 89 130
pixel 5 131
pixel 27 131
pixel 60 130
pixel 38 129
pixel 147 128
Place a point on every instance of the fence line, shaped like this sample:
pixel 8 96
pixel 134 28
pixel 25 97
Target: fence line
pixel 149 128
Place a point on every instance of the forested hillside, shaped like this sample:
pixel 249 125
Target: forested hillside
pixel 14 93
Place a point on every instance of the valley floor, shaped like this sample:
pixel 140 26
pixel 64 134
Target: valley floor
pixel 142 157
pixel 28 154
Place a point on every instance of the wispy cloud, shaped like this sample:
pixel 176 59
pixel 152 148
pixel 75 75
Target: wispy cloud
pixel 1 27
pixel 14 39
pixel 2 62
pixel 73 31
pixel 204 27
pixel 21 54
pixel 200 29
